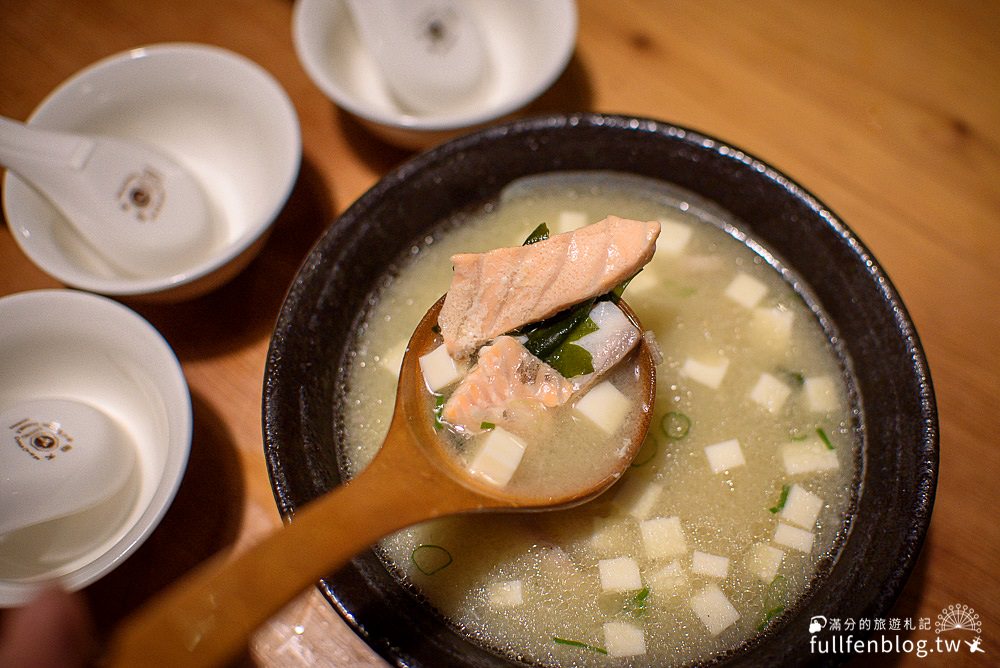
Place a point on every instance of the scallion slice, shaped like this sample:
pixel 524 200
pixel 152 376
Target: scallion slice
pixel 823 437
pixel 429 558
pixel 577 643
pixel 675 425
pixel 776 508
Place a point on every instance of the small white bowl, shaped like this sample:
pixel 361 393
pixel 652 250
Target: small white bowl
pixel 528 44
pixel 79 346
pixel 216 112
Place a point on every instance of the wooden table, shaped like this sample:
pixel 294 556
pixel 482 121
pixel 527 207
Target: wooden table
pixel 888 111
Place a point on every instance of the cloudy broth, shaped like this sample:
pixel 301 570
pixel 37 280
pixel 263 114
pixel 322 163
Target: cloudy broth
pixel 740 492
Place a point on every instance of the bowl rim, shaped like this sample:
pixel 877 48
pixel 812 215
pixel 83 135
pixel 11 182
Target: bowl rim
pixel 125 286
pixel 312 63
pixel 170 379
pixel 924 457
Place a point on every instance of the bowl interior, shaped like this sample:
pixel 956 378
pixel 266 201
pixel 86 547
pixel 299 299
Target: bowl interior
pixel 74 345
pixel 217 113
pixel 304 380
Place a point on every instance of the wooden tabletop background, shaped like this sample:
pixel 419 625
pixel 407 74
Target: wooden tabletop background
pixel 888 111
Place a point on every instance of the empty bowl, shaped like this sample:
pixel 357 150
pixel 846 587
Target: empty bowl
pixel 527 46
pixel 215 112
pixel 70 346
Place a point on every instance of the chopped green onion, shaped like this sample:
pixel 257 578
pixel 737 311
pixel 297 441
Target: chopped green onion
pixel 438 408
pixel 577 643
pixel 675 425
pixel 636 605
pixel 429 559
pixel 646 453
pixel 774 600
pixel 486 426
pixel 769 615
pixel 794 377
pixel 797 435
pixel 823 437
pixel 540 233
pixel 781 500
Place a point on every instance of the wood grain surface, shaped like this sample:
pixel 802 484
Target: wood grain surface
pixel 888 111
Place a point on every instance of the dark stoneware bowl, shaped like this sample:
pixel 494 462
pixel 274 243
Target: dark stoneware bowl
pixel 896 417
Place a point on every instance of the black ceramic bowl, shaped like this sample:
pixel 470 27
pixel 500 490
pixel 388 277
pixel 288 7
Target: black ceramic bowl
pixel 897 420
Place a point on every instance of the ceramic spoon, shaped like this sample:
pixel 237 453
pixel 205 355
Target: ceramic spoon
pixel 207 618
pixel 137 208
pixel 58 457
pixel 429 52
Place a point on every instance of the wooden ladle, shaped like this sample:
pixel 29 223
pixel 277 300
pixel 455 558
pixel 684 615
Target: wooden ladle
pixel 206 618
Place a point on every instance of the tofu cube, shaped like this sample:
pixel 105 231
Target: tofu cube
pixel 765 560
pixel 770 393
pixel 604 405
pixel 392 360
pixel 772 326
pixel 619 574
pixel 821 394
pixel 505 594
pixel 439 369
pixel 808 457
pixel 801 507
pixel 709 374
pixel 724 456
pixel 746 290
pixel 569 220
pixel 673 239
pixel 669 578
pixel 714 609
pixel 622 639
pixel 637 496
pixel 797 539
pixel 713 565
pixel 663 537
pixel 498 457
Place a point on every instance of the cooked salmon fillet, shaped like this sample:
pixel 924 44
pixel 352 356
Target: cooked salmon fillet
pixel 495 292
pixel 506 380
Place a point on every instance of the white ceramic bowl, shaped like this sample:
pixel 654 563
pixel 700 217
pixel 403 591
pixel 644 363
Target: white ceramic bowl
pixel 79 346
pixel 214 111
pixel 528 44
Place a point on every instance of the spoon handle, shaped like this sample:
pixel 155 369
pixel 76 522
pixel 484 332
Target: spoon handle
pixel 25 148
pixel 208 617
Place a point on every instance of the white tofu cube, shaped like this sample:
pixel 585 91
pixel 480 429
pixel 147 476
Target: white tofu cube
pixel 439 369
pixel 765 560
pixel 498 457
pixel 604 405
pixel 709 374
pixel 392 360
pixel 801 507
pixel 713 565
pixel 746 290
pixel 663 537
pixel 669 578
pixel 637 497
pixel 821 394
pixel 772 326
pixel 714 609
pixel 797 539
pixel 770 393
pixel 569 220
pixel 808 457
pixel 621 639
pixel 673 239
pixel 724 456
pixel 505 594
pixel 619 574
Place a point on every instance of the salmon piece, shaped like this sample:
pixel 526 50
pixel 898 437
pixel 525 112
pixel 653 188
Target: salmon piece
pixel 505 381
pixel 498 291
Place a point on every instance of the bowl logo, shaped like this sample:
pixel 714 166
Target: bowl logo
pixel 41 440
pixel 143 194
pixel 817 623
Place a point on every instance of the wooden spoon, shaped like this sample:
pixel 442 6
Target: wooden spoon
pixel 207 617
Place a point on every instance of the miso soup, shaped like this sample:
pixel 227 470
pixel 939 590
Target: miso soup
pixel 741 494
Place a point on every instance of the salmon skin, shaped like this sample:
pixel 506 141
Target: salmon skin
pixel 504 388
pixel 496 292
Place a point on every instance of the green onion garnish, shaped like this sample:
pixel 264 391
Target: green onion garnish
pixel 438 407
pixel 823 437
pixel 781 500
pixel 540 233
pixel 486 426
pixel 774 600
pixel 577 643
pixel 429 559
pixel 637 604
pixel 646 453
pixel 675 425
